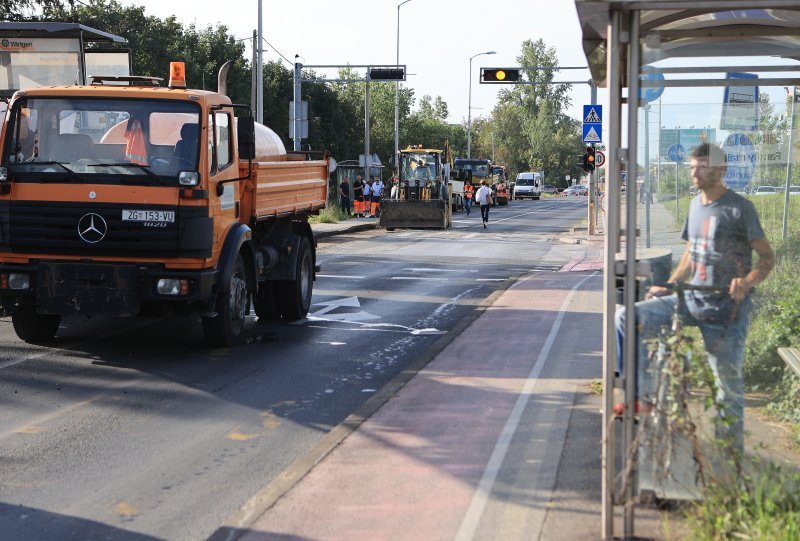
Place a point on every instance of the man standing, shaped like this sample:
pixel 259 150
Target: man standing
pixel 721 231
pixel 344 196
pixel 377 188
pixel 484 197
pixel 358 196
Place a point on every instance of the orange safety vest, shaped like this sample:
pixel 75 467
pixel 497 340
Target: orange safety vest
pixel 135 150
pixel 468 189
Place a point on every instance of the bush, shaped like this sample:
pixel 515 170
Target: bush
pixel 775 320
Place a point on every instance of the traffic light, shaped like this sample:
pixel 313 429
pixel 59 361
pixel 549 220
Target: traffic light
pixel 589 160
pixel 499 75
pixel 387 74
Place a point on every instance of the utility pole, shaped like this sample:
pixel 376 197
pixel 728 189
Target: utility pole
pixel 260 69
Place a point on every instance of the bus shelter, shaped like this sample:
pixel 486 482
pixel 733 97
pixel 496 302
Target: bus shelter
pixel 679 74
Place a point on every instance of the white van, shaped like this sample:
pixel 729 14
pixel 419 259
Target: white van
pixel 528 184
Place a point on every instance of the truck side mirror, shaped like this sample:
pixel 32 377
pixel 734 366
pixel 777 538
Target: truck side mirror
pixel 246 137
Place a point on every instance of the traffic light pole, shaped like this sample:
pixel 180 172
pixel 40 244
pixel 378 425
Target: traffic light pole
pixel 592 177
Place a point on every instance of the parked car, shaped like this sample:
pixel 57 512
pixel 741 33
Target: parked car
pixel 764 190
pixel 577 189
pixel 549 188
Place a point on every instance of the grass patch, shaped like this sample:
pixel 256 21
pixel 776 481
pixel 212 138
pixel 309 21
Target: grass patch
pixel 764 505
pixel 329 215
pixel 596 387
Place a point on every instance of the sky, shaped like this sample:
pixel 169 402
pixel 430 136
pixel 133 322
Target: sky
pixel 437 38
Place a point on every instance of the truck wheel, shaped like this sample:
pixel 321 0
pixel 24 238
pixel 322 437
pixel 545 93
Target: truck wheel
pixel 294 297
pixel 225 329
pixel 264 302
pixel 32 327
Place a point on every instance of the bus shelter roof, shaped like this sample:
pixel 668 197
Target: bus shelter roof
pixel 700 28
pixel 56 30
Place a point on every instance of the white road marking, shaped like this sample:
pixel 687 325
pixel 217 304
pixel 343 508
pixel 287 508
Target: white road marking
pixel 342 276
pixel 490 279
pixel 418 278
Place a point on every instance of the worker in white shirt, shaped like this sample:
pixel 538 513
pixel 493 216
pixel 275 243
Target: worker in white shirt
pixel 377 188
pixel 484 198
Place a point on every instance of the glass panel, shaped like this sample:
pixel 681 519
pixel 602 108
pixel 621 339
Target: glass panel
pixel 720 210
pixel 223 139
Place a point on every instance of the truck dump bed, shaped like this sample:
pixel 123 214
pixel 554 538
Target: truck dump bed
pixel 284 187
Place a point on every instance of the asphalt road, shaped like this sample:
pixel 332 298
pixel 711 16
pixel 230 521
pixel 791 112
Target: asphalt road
pixel 132 429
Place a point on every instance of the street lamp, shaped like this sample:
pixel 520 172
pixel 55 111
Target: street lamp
pixel 469 105
pixel 397 94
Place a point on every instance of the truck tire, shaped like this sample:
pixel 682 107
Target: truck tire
pixel 225 329
pixel 294 296
pixel 32 327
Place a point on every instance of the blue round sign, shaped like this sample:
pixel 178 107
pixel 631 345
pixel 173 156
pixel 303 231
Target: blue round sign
pixel 740 155
pixel 676 153
pixel 651 93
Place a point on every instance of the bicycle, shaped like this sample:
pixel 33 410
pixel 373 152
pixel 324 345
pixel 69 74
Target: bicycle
pixel 672 464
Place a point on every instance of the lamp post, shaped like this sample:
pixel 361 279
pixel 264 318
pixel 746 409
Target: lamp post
pixel 469 105
pixel 397 94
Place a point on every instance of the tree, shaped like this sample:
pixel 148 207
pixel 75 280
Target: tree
pixel 18 10
pixel 529 123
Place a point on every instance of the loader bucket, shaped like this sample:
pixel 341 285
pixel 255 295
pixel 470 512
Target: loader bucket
pixel 425 214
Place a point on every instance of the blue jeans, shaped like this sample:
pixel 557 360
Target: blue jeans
pixel 485 212
pixel 724 344
pixel 468 204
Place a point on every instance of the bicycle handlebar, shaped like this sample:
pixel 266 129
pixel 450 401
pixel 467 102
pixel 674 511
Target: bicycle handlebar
pixel 683 286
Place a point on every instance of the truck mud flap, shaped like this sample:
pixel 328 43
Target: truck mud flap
pixel 430 214
pixel 76 288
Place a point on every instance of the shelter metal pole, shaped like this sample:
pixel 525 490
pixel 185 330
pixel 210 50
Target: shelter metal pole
pixel 789 158
pixel 610 278
pixel 647 186
pixel 629 346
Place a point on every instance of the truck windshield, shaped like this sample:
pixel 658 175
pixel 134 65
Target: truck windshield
pixel 101 140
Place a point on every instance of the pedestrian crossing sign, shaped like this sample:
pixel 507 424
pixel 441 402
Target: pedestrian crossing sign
pixel 592 114
pixel 592 133
pixel 592 123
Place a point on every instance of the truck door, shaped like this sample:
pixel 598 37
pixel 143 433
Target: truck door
pixel 222 166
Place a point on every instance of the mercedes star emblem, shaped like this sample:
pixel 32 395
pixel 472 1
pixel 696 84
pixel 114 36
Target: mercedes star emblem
pixel 92 228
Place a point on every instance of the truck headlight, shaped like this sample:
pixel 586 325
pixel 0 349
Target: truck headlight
pixel 172 286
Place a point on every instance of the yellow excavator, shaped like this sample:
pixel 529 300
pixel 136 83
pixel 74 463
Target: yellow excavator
pixel 421 196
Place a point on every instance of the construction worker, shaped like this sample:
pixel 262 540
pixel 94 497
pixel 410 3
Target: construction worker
pixel 469 192
pixel 358 196
pixel 377 188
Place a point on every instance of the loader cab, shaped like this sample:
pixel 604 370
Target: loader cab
pixel 420 169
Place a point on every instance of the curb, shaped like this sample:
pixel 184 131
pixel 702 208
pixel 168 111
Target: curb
pixel 346 229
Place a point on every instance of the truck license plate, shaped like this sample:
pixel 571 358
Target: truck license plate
pixel 148 216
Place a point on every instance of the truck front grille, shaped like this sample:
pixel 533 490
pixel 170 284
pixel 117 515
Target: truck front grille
pixel 52 228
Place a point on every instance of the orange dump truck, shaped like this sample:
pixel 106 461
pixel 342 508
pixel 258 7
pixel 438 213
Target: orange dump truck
pixel 123 198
